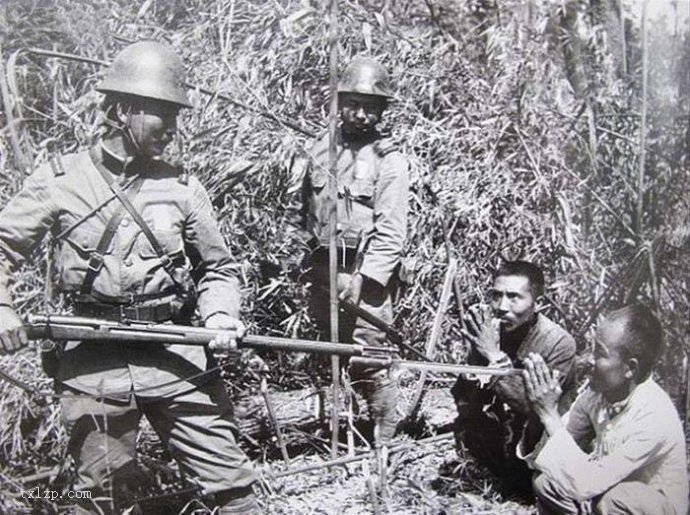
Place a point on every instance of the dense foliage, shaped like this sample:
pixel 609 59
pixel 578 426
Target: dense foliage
pixel 531 131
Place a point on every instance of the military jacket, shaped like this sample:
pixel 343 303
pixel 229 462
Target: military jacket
pixel 182 219
pixel 372 202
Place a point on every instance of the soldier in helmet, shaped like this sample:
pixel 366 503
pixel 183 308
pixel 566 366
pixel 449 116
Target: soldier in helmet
pixel 129 228
pixel 372 222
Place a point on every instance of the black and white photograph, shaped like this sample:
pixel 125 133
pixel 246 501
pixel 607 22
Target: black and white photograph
pixel 345 257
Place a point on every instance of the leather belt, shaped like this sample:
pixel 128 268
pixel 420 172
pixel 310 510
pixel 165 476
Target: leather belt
pixel 128 299
pixel 122 312
pixel 346 256
pixel 343 241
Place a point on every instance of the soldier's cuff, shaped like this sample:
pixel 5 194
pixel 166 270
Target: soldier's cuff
pixel 370 273
pixel 218 312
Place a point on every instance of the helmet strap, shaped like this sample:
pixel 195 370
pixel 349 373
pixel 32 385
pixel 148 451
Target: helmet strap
pixel 128 129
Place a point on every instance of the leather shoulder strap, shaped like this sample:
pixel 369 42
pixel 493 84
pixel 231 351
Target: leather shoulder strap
pixel 136 216
pixel 96 258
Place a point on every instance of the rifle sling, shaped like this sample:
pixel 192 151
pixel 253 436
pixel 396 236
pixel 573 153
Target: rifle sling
pixel 94 211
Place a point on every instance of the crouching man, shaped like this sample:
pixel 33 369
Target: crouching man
pixel 491 415
pixel 621 448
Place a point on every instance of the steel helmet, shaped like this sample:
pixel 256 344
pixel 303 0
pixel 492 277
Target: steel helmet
pixel 366 76
pixel 147 69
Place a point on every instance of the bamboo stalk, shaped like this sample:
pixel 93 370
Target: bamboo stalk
pixel 434 335
pixel 383 472
pixel 685 391
pixel 450 251
pixel 643 126
pixel 333 218
pixel 370 487
pixel 263 387
pixel 21 160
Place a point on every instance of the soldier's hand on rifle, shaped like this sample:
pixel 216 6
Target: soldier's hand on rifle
pixel 12 333
pixel 225 342
pixel 353 290
pixel 483 331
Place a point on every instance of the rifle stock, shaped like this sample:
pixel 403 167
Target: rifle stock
pixel 391 333
pixel 57 327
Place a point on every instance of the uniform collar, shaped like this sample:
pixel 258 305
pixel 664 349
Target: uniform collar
pixel 117 164
pixel 357 141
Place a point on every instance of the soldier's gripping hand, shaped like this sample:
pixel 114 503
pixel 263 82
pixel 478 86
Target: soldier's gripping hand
pixel 12 333
pixel 227 341
pixel 352 290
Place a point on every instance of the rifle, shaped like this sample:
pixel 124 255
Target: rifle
pixel 430 366
pixel 56 327
pixel 391 333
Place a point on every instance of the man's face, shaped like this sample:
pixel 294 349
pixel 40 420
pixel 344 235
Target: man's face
pixel 611 375
pixel 360 113
pixel 153 125
pixel 512 301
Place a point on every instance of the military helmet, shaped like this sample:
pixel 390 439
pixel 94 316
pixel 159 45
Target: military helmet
pixel 147 69
pixel 365 76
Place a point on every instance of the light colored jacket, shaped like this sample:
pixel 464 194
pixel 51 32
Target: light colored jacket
pixel 372 202
pixel 182 219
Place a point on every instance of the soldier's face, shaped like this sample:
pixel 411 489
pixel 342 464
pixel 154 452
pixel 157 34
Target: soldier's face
pixel 360 113
pixel 152 125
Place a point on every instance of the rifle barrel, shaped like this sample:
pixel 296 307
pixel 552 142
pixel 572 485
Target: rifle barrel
pixel 446 368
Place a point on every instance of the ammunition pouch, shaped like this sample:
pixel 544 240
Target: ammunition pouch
pixel 50 359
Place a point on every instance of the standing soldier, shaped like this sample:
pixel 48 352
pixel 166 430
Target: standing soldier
pixel 372 222
pixel 129 229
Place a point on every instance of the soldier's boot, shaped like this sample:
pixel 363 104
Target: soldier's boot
pixel 383 402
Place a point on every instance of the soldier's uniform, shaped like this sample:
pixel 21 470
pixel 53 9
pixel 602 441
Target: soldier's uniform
pixel 190 410
pixel 133 235
pixel 372 224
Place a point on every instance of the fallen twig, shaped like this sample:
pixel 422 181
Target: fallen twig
pixel 362 456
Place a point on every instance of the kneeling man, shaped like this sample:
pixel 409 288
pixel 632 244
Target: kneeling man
pixel 621 448
pixel 491 415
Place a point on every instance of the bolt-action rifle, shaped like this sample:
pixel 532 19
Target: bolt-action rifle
pixel 57 327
